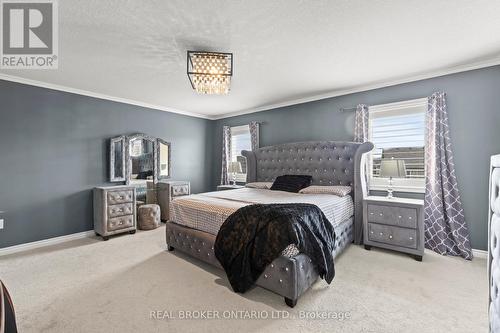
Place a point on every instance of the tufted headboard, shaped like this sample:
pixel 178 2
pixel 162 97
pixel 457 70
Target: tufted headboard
pixel 329 162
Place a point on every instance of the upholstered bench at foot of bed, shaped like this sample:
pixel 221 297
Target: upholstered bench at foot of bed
pixel 288 277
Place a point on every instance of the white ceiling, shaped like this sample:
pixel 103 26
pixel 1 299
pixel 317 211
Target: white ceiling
pixel 284 50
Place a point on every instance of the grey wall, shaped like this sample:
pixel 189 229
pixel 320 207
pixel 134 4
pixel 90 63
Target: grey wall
pixel 53 151
pixel 53 146
pixel 474 115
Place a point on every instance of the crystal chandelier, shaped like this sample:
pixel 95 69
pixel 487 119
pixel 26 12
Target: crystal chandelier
pixel 210 72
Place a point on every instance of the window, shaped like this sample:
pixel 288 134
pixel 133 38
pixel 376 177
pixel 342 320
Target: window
pixel 397 130
pixel 240 140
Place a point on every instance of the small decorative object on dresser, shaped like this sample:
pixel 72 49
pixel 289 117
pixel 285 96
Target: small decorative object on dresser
pixel 168 190
pixel 228 187
pixel 395 224
pixel 114 210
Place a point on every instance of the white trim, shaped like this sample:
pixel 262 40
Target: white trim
pixel 412 103
pixel 378 85
pixel 243 129
pixel 335 93
pixel 400 189
pixel 480 253
pixel 41 84
pixel 44 242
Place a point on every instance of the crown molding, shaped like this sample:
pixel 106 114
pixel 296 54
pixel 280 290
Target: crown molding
pixel 382 84
pixel 93 94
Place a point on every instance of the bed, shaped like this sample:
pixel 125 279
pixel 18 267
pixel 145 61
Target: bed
pixel 197 218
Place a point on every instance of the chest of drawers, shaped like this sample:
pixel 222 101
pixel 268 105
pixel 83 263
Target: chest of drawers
pixel 114 210
pixel 395 224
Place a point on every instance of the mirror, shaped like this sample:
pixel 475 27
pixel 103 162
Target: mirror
pixel 163 167
pixel 142 157
pixel 117 159
pixel 138 158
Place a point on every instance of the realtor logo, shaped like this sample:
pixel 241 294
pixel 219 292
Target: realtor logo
pixel 29 37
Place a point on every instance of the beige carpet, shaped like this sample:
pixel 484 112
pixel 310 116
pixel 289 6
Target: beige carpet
pixel 90 285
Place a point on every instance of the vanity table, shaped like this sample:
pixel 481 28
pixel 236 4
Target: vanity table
pixel 134 160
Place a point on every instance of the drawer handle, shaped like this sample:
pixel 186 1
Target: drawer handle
pixel 390 236
pixel 381 234
pixel 371 232
pixel 399 216
pixel 411 238
pixel 409 217
pixel 381 214
pixel 371 213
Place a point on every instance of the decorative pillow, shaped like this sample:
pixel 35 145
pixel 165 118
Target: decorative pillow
pixel 291 183
pixel 341 191
pixel 260 185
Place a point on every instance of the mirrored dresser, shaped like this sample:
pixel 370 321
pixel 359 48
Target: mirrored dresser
pixel 114 210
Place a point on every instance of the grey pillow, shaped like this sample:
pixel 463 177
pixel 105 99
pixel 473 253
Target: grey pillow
pixel 259 185
pixel 341 191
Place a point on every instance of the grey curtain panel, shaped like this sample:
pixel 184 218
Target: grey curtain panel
pixel 361 133
pixel 226 154
pixel 361 123
pixel 254 134
pixel 445 229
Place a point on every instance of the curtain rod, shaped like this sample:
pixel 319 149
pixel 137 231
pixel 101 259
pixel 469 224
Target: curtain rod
pixel 347 109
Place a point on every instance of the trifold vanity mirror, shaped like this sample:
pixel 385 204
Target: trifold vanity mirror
pixel 138 158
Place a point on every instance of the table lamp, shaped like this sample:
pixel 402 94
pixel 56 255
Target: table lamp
pixel 234 168
pixel 390 168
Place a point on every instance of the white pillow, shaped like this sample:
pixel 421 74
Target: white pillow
pixel 341 191
pixel 260 185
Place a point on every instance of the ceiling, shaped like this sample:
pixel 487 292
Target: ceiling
pixel 285 51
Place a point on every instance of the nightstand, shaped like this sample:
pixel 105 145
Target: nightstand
pixel 166 191
pixel 395 224
pixel 229 187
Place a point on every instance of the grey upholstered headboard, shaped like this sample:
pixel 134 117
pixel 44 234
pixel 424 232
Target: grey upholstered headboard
pixel 329 162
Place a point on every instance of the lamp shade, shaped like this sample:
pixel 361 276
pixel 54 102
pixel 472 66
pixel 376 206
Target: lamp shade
pixel 234 167
pixel 392 168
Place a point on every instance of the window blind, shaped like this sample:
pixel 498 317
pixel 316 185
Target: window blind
pixel 399 134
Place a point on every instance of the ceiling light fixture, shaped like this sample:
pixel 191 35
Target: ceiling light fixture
pixel 210 72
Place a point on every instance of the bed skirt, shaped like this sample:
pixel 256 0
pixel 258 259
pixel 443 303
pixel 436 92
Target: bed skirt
pixel 289 277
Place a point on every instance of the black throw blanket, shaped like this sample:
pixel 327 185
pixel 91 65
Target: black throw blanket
pixel 253 236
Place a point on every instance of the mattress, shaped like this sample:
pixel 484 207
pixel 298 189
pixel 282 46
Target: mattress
pixel 208 211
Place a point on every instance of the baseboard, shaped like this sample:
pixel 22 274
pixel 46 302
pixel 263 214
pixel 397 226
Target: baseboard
pixel 45 242
pixel 480 253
